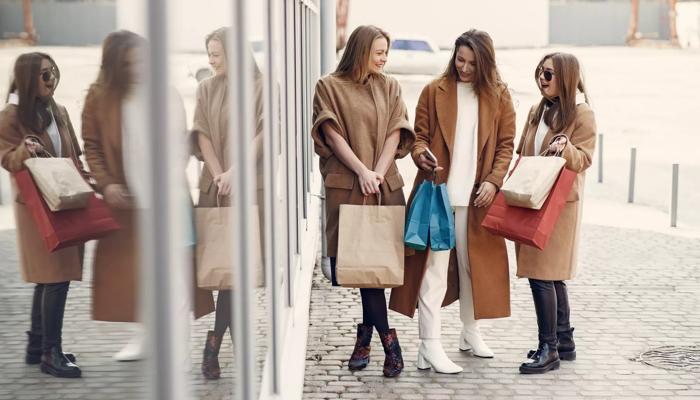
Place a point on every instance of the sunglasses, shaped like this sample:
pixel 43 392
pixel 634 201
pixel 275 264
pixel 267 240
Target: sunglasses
pixel 548 75
pixel 48 74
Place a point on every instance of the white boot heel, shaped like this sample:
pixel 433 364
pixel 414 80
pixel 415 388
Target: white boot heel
pixel 470 339
pixel 422 363
pixel 431 354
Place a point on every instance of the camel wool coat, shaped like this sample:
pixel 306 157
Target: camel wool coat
pixel 435 125
pixel 364 115
pixel 557 262
pixel 115 285
pixel 37 264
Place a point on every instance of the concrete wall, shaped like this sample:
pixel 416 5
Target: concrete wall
pixel 73 23
pixel 444 20
pixel 594 23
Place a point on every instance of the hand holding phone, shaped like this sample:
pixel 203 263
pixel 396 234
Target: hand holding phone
pixel 427 161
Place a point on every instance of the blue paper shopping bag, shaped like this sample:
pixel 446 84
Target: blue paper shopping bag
pixel 442 220
pixel 418 218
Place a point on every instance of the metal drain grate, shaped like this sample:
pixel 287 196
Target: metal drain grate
pixel 685 358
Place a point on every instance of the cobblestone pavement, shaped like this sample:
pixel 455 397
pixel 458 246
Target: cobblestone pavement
pixel 635 290
pixel 94 344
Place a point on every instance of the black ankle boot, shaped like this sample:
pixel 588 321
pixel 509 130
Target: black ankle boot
pixel 210 358
pixel 566 346
pixel 393 361
pixel 547 359
pixel 360 355
pixel 53 362
pixel 33 355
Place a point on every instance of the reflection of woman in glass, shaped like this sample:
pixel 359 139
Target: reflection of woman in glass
pixel 211 141
pixel 33 124
pixel 360 128
pixel 563 123
pixel 116 148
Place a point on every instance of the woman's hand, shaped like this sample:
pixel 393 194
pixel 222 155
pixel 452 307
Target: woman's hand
pixel 33 145
pixel 558 144
pixel 370 181
pixel 118 197
pixel 223 183
pixel 485 194
pixel 426 163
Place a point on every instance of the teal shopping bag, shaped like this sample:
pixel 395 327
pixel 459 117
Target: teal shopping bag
pixel 442 220
pixel 418 218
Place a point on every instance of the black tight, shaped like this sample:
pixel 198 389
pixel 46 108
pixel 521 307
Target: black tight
pixel 48 306
pixel 223 313
pixel 374 310
pixel 552 308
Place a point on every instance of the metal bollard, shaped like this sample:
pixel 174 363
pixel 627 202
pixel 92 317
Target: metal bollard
pixel 674 196
pixel 633 166
pixel 600 158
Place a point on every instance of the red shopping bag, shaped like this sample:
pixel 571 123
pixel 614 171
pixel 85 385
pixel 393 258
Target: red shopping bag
pixel 526 225
pixel 65 228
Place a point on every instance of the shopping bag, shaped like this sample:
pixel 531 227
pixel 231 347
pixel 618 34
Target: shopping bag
pixel 215 243
pixel 418 218
pixel 442 220
pixel 525 225
pixel 65 228
pixel 530 183
pixel 60 183
pixel 370 246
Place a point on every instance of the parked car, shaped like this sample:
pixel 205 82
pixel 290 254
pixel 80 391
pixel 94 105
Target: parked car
pixel 413 54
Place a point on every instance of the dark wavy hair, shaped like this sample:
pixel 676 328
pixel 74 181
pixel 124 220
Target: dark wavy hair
pixel 487 79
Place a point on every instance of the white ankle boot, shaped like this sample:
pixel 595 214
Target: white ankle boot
pixel 135 349
pixel 431 354
pixel 470 339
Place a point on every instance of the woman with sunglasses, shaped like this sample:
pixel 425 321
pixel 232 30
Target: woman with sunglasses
pixel 32 124
pixel 561 123
pixel 465 123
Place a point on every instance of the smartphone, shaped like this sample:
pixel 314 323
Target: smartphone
pixel 431 156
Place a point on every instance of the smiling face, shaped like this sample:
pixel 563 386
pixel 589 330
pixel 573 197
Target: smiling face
pixel 465 64
pixel 378 55
pixel 217 58
pixel 46 81
pixel 547 80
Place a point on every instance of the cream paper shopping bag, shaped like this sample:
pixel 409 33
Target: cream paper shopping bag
pixel 531 181
pixel 370 246
pixel 60 183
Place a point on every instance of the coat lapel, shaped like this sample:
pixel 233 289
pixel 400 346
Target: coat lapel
pixel 446 107
pixel 380 103
pixel 487 111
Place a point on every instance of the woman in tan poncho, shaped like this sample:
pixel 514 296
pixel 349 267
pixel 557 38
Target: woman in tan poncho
pixel 360 128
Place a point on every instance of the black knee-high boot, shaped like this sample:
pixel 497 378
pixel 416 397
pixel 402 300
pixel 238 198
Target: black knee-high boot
pixel 546 358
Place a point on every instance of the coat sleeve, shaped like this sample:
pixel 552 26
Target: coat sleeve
pixel 324 111
pixel 504 140
pixel 422 124
pixel 93 140
pixel 75 146
pixel 398 120
pixel 200 125
pixel 521 142
pixel 578 151
pixel 13 151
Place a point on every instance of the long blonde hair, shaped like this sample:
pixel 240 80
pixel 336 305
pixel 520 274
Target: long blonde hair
pixel 354 62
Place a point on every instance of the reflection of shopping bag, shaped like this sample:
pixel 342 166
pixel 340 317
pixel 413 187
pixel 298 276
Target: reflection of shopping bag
pixel 67 227
pixel 525 225
pixel 418 219
pixel 442 220
pixel 60 183
pixel 530 183
pixel 370 246
pixel 215 244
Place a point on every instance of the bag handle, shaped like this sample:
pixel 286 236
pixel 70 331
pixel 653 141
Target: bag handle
pixel 379 199
pixel 557 153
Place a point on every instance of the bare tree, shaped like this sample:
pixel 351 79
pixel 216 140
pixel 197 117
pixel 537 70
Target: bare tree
pixel 341 23
pixel 633 33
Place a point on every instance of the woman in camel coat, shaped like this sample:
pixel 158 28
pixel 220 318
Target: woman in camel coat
pixel 466 119
pixel 33 124
pixel 561 123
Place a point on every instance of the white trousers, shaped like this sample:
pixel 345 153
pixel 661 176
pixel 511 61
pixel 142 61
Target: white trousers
pixel 434 285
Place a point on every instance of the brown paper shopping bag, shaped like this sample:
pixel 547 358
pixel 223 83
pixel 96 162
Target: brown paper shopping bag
pixel 215 244
pixel 370 246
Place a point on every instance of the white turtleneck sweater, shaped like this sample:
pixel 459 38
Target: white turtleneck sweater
pixel 460 181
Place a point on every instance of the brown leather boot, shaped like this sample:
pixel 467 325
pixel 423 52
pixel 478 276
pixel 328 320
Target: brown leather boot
pixel 393 361
pixel 210 360
pixel 360 355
